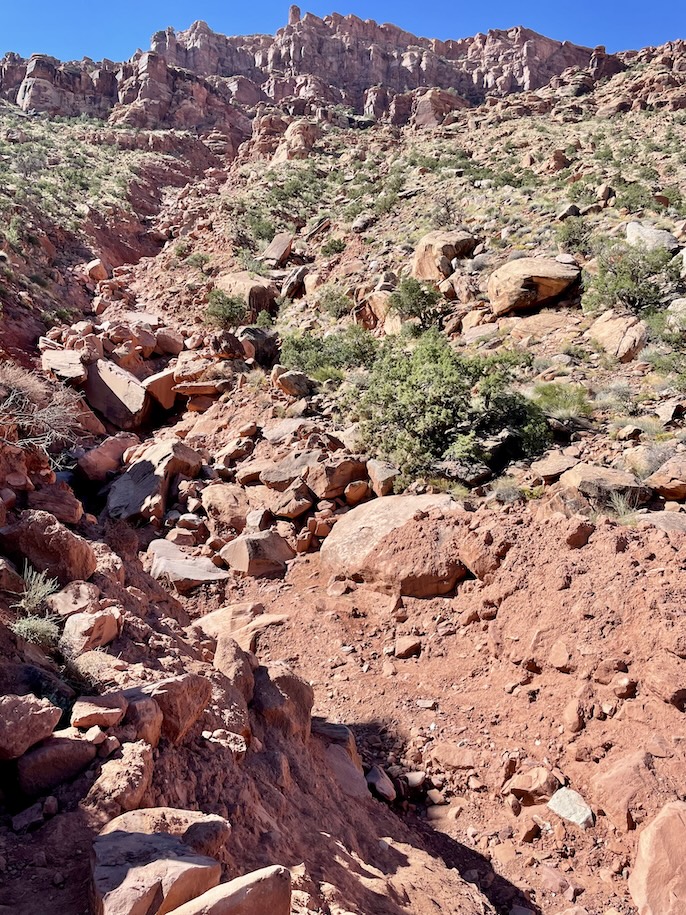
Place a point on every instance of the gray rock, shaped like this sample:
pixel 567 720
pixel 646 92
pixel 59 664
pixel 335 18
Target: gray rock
pixel 639 235
pixel 570 805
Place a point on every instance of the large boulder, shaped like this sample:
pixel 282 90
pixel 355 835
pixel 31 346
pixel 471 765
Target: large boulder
pixel 601 484
pixel 258 292
pixel 183 700
pixel 226 506
pixel 669 480
pixel 529 282
pixel 58 758
pixel 147 861
pixel 59 500
pixel 65 364
pixel 658 878
pixel 284 700
pixel 381 542
pixel 117 395
pixel 436 249
pixel 639 235
pixel 105 459
pixel 265 891
pixel 620 335
pixel 25 721
pixel 257 554
pixel 123 780
pixel 49 547
pixel 141 492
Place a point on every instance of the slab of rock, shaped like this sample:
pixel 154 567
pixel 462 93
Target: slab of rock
pixel 658 878
pixel 294 501
pixel 106 711
pixel 183 700
pixel 123 780
pixel 52 762
pixel 600 483
pixel 243 622
pixel 141 492
pixel 434 247
pixel 257 554
pixel 105 459
pixel 620 335
pixel 382 476
pixel 639 235
pixel 623 788
pixel 669 480
pixel 11 581
pixel 284 700
pixel 226 506
pixel 25 721
pixel 279 249
pixel 182 571
pixel 59 500
pixel 551 467
pixel 407 646
pixel 117 395
pixel 365 544
pixel 135 872
pixel 258 893
pixel 294 384
pixel 665 677
pixel 529 282
pixel 65 364
pixel 86 631
pixel 49 547
pixel 571 806
pixel 77 597
pixel 162 387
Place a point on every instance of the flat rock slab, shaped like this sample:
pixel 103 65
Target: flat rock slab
pixel 529 282
pixel 261 892
pixel 182 571
pixel 117 395
pixel 52 762
pixel 658 878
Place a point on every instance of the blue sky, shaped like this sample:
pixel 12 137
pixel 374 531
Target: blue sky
pixel 71 29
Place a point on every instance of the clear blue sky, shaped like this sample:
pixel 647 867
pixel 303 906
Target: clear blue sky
pixel 71 29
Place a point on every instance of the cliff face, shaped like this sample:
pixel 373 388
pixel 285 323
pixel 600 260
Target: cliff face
pixel 196 78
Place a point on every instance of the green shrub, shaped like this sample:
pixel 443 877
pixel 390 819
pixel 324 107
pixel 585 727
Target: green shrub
pixel 198 260
pixel 431 404
pixel 264 320
pixel 333 246
pixel 574 235
pixel 37 587
pixel 633 277
pixel 415 300
pixel 562 401
pixel 334 302
pixel 261 227
pixel 39 630
pixel 327 357
pixel 225 311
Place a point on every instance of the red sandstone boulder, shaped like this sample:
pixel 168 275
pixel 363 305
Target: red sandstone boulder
pixel 49 547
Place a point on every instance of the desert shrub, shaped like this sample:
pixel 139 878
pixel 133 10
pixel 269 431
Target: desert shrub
pixel 327 357
pixel 198 260
pixel 39 630
pixel 574 235
pixel 261 227
pixel 37 587
pixel 264 320
pixel 43 415
pixel 225 311
pixel 415 300
pixel 334 302
pixel 562 401
pixel 429 403
pixel 633 277
pixel 333 246
pixel 634 196
pixel 182 249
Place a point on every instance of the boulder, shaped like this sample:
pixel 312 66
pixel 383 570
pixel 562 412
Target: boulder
pixel 259 293
pixel 105 711
pixel 11 581
pixel 182 700
pixel 621 336
pixel 571 806
pixel 665 677
pixel 232 661
pixel 168 341
pixel 162 387
pixel 86 631
pixel 600 484
pixel 639 235
pixel 123 780
pixel 105 459
pixel 77 597
pixel 49 547
pixel 136 872
pixel 380 542
pixel 183 572
pixel 144 715
pixel 623 788
pixel 117 395
pixel 55 760
pixel 279 249
pixel 294 384
pixel 25 721
pixel 435 246
pixel 529 282
pixel 328 479
pixel 226 506
pixel 257 554
pixel 658 878
pixel 59 500
pixel 533 786
pixel 141 492
pixel 382 476
pixel 551 467
pixel 284 700
pixel 65 364
pixel 669 480
pixel 264 891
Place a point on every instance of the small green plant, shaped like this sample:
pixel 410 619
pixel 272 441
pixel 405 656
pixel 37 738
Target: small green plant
pixel 574 235
pixel 37 587
pixel 418 301
pixel 225 311
pixel 562 401
pixel 333 246
pixel 264 320
pixel 182 250
pixel 39 630
pixel 328 357
pixel 633 277
pixel 198 260
pixel 334 302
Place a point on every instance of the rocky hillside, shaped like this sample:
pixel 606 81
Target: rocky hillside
pixel 343 476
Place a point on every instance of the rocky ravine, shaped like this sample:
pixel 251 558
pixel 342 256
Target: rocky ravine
pixel 239 672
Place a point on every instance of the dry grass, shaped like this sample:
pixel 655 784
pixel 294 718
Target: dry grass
pixel 33 412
